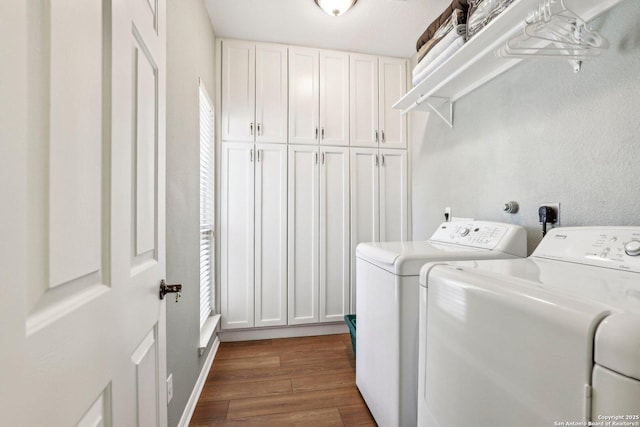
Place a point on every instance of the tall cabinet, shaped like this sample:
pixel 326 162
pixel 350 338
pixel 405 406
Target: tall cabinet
pixel 318 234
pixel 313 161
pixel 253 254
pixel 254 92
pixel 379 199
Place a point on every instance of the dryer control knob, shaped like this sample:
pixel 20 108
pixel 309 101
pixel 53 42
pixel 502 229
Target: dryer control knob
pixel 632 248
pixel 466 231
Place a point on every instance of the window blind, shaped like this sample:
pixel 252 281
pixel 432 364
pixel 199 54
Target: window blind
pixel 207 207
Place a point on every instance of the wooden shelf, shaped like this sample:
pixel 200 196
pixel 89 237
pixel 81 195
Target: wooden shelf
pixel 476 62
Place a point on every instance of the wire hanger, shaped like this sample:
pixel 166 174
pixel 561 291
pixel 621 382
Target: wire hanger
pixel 555 32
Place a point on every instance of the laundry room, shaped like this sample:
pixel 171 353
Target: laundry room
pixel 390 213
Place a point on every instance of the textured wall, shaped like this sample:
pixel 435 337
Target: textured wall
pixel 540 133
pixel 190 56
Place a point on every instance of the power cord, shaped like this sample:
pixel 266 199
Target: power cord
pixel 547 216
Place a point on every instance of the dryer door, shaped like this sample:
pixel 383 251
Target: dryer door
pixel 503 353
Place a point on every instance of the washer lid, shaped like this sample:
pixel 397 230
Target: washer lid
pixel 617 344
pixel 406 258
pixel 615 288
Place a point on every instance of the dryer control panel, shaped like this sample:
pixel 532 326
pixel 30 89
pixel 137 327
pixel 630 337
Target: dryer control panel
pixel 509 238
pixel 610 247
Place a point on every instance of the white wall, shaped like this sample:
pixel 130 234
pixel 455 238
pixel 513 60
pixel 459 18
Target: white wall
pixel 540 133
pixel 190 56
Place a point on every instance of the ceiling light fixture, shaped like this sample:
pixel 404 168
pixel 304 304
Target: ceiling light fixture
pixel 335 7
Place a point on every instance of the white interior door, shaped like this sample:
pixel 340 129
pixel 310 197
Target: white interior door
pixel 365 220
pixel 83 243
pixel 334 98
pixel 303 96
pixel 271 235
pixel 393 195
pixel 237 235
pixel 334 233
pixel 303 234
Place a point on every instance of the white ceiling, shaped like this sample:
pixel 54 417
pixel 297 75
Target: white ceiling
pixel 379 27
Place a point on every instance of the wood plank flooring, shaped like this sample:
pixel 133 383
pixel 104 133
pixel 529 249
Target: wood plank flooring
pixel 306 381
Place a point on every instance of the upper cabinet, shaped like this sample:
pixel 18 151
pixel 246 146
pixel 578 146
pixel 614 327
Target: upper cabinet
pixel 375 85
pixel 254 92
pixel 318 97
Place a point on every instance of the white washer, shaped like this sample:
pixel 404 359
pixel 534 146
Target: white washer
pixel 553 339
pixel 387 291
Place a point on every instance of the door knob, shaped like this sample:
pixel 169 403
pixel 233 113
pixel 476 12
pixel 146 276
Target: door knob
pixel 170 289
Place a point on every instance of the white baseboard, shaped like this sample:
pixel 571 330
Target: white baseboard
pixel 199 385
pixel 282 332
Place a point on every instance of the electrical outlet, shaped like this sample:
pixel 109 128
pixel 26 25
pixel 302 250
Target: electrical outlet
pixel 556 209
pixel 169 388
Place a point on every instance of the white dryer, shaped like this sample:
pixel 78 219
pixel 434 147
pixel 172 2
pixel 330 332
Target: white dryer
pixel 387 290
pixel 553 339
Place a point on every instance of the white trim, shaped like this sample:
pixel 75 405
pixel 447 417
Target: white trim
pixel 283 332
pixel 199 385
pixel 207 331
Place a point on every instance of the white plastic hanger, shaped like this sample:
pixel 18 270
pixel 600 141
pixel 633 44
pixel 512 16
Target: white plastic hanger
pixel 555 32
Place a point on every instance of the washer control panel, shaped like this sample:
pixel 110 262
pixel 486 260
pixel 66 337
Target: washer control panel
pixel 477 234
pixel 611 247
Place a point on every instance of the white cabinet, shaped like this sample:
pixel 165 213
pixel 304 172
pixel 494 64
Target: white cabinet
pixel 376 83
pixel 318 234
pixel 334 233
pixel 318 97
pixel 253 235
pixel 295 199
pixel 254 92
pixel 379 199
pixel 393 193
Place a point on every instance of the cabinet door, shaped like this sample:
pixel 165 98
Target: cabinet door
pixel 393 85
pixel 365 223
pixel 334 98
pixel 363 113
pixel 237 228
pixel 334 233
pixel 303 234
pixel 303 96
pixel 271 235
pixel 271 93
pixel 238 91
pixel 393 195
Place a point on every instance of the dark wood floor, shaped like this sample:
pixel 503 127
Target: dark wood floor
pixel 306 381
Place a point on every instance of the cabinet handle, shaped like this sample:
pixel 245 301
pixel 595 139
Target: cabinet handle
pixel 376 160
pixel 382 134
pixel 316 132
pixel 323 158
pixel 322 133
pixel 315 157
pixel 251 128
pixel 259 128
pixel 258 155
pixel 376 131
pixel 382 163
pixel 251 155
